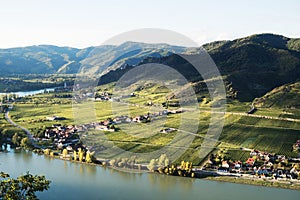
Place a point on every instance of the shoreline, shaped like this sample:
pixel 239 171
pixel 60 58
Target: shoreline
pixel 255 182
pixel 283 184
pixel 226 179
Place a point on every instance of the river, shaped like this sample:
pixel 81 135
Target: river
pixel 27 93
pixel 80 181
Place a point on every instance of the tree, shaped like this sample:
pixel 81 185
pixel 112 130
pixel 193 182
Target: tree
pixel 80 154
pixel 88 158
pixel 24 187
pixel 112 162
pixel 161 160
pixel 25 143
pixel 65 153
pixel 15 139
pixel 152 165
pixel 182 166
pixel 75 155
pixel 47 152
pixel 167 162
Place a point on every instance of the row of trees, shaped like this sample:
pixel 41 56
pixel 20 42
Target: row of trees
pixel 18 139
pixel 81 155
pixel 162 165
pixel 124 162
pixel 158 163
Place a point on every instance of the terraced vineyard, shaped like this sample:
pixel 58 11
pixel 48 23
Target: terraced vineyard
pixel 276 136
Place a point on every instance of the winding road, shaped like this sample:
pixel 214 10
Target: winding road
pixel 29 134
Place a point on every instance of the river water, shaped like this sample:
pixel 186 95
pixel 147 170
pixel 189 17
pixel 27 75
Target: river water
pixel 27 93
pixel 80 181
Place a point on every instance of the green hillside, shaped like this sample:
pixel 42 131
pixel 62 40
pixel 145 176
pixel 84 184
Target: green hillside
pixel 251 66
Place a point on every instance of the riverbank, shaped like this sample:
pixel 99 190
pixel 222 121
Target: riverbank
pixel 292 185
pixel 238 179
pixel 70 180
pixel 244 180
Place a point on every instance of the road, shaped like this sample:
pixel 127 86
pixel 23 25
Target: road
pixel 225 112
pixel 262 116
pixel 29 134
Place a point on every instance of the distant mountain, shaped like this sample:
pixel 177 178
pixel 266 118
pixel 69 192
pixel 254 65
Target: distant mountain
pixel 47 59
pixel 41 59
pixel 251 66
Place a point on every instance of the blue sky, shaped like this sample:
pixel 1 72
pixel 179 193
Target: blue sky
pixel 82 23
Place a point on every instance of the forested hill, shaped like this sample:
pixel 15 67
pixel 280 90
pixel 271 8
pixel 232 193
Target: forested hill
pixel 252 65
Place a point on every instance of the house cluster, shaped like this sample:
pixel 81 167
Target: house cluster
pixel 259 163
pixel 109 124
pixel 149 116
pixel 227 166
pixel 265 156
pixel 143 118
pixel 104 96
pixel 95 96
pixel 53 118
pixel 106 125
pixel 63 136
pixel 168 130
pixel 83 96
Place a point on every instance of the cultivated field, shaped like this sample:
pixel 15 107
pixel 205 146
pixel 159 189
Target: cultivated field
pixel 239 131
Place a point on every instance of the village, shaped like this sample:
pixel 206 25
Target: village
pixel 67 136
pixel 64 141
pixel 259 164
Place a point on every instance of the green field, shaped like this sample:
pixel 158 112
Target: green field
pixel 239 131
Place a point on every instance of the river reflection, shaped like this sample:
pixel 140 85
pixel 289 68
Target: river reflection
pixel 167 181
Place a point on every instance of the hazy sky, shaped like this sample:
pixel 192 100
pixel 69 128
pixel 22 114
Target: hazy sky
pixel 82 23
